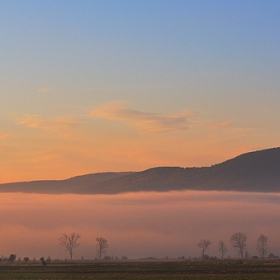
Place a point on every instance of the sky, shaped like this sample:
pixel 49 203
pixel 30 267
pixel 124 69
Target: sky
pixel 178 222
pixel 96 86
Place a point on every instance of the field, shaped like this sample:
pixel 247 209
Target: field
pixel 144 269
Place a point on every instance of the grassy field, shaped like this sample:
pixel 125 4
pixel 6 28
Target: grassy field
pixel 138 270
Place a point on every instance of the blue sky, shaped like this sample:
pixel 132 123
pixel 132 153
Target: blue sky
pixel 143 82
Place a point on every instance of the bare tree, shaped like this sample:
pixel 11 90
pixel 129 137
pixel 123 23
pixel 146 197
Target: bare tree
pixel 70 242
pixel 204 245
pixel 262 245
pixel 238 242
pixel 101 247
pixel 222 248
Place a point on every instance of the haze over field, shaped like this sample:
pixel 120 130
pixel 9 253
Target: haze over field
pixel 137 224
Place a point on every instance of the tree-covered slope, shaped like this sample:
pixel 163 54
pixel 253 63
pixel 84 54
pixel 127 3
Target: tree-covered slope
pixel 255 171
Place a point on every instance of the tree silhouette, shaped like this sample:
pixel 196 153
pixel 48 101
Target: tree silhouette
pixel 222 248
pixel 204 245
pixel 43 261
pixel 12 258
pixel 238 242
pixel 101 247
pixel 70 242
pixel 262 245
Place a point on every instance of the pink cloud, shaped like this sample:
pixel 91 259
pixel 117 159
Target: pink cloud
pixel 144 121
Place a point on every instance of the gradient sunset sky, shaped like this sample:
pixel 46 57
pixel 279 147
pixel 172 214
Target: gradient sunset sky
pixel 95 86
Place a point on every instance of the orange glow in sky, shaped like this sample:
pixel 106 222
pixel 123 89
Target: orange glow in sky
pixel 94 86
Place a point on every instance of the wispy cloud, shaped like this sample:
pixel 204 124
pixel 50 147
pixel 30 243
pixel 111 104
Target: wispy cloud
pixel 41 122
pixel 145 122
pixel 230 127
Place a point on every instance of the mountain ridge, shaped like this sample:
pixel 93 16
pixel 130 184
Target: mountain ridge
pixel 257 171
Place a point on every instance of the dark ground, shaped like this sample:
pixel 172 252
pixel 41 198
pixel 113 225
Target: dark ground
pixel 142 269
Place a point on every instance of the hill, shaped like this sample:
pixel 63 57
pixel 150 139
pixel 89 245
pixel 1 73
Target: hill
pixel 257 171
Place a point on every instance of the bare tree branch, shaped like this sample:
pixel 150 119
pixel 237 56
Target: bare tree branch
pixel 222 248
pixel 238 242
pixel 204 245
pixel 262 245
pixel 70 242
pixel 102 245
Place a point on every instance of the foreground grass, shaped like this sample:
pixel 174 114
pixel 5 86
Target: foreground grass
pixel 139 270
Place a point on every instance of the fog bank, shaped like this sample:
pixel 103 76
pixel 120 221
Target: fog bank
pixel 137 224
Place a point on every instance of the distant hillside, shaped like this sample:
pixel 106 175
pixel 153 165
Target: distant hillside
pixel 255 171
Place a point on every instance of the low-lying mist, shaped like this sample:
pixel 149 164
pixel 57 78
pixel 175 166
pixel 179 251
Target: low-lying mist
pixel 137 225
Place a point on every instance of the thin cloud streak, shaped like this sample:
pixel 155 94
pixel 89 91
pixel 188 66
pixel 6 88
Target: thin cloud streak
pixel 53 124
pixel 145 122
